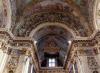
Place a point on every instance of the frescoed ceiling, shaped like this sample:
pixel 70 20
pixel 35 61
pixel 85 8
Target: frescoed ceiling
pixel 48 22
pixel 33 13
pixel 72 13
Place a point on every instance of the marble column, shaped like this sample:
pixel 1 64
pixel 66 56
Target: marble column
pixel 74 69
pixel 20 64
pixel 3 60
pixel 26 64
pixel 81 63
pixel 32 68
pixel 97 57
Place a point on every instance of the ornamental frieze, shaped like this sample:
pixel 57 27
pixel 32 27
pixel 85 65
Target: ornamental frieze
pixel 20 44
pixel 85 43
pixel 88 51
pixel 90 42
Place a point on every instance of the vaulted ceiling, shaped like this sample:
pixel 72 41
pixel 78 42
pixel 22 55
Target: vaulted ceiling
pixel 33 13
pixel 19 15
pixel 48 21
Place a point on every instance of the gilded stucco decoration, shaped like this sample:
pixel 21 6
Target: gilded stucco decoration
pixel 24 25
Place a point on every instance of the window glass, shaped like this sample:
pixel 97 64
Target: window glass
pixel 52 62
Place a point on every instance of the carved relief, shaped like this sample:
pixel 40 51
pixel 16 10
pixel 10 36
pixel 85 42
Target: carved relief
pixel 92 63
pixel 49 13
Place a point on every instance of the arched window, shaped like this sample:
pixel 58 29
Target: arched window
pixel 52 62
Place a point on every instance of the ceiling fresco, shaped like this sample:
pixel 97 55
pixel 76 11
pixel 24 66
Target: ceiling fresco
pixel 79 12
pixel 50 11
pixel 24 17
pixel 22 13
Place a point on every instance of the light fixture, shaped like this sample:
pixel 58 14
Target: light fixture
pixel 35 41
pixel 69 41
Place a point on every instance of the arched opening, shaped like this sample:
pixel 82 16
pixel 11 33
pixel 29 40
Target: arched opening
pixel 52 44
